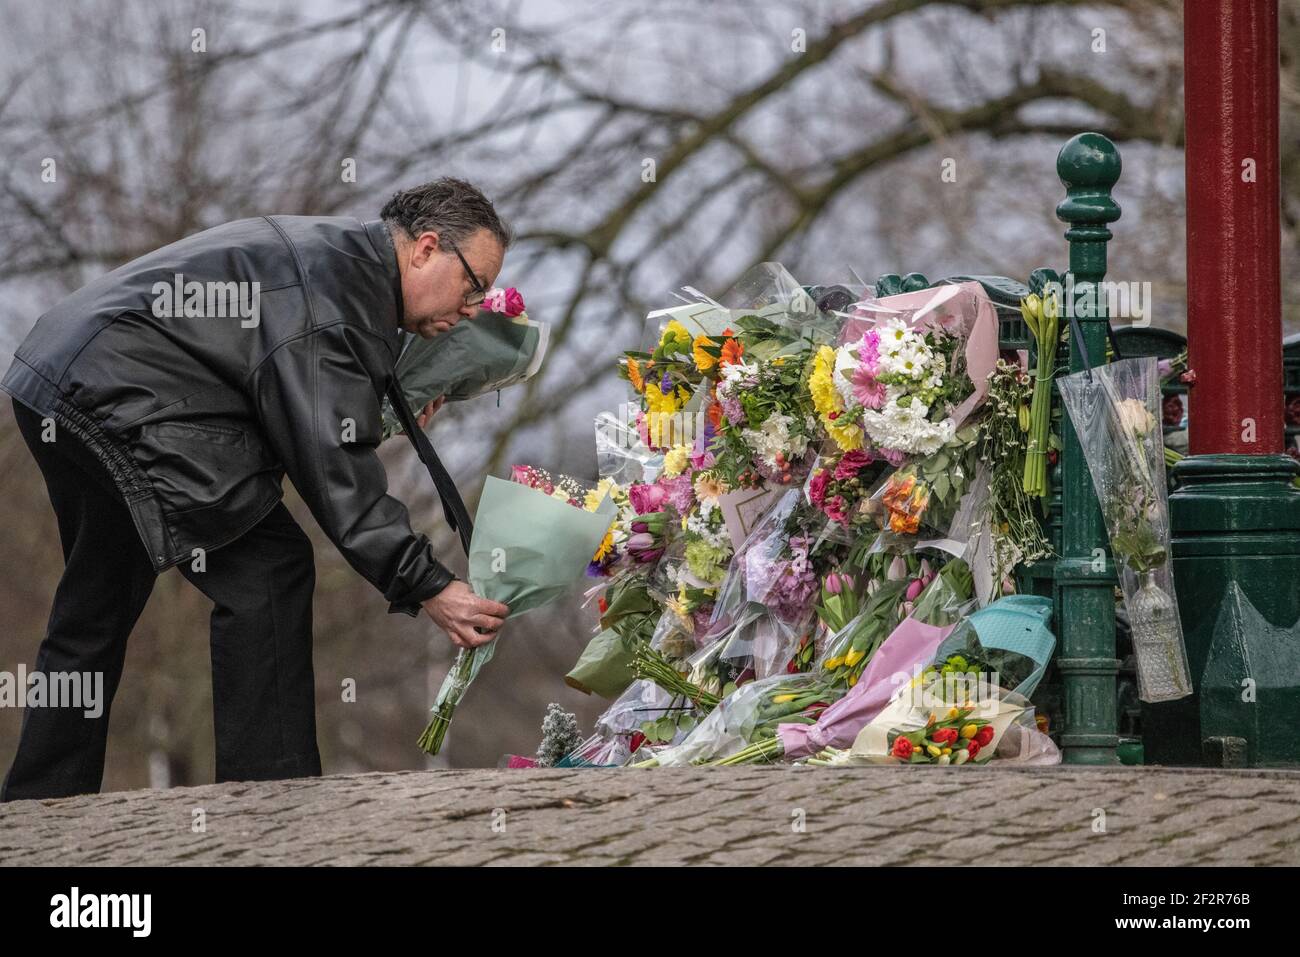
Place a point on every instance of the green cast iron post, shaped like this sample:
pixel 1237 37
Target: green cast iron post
pixel 1088 165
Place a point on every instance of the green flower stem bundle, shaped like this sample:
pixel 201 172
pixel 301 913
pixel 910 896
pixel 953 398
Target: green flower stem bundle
pixel 651 665
pixel 1041 315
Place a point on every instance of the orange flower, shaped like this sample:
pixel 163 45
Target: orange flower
pixel 732 350
pixel 897 492
pixel 634 374
pixel 904 523
pixel 715 416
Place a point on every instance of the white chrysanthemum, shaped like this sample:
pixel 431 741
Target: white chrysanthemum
pixel 736 371
pixel 773 437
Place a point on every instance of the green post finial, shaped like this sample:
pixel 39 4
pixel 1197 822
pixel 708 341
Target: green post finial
pixel 1089 166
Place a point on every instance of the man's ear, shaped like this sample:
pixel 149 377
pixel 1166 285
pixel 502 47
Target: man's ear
pixel 424 247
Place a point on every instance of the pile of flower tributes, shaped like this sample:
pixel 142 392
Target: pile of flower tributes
pixel 821 507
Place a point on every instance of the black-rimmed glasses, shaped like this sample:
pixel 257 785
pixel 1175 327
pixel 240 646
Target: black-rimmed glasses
pixel 477 293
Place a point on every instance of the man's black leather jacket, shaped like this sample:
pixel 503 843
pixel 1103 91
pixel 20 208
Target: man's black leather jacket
pixel 199 417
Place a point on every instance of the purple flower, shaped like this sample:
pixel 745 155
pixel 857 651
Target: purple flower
pixel 733 410
pixel 666 384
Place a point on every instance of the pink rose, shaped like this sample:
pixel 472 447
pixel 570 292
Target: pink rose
pixel 646 498
pixel 507 301
pixel 514 303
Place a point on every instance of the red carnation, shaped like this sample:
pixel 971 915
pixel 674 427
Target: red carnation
pixel 984 735
pixel 902 748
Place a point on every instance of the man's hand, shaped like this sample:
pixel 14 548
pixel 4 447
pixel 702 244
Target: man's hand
pixel 422 420
pixel 458 611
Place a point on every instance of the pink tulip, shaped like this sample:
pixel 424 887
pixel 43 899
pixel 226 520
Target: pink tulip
pixel 897 569
pixel 913 589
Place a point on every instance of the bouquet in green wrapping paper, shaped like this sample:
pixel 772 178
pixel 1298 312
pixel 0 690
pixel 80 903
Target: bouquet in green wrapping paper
pixel 533 539
pixel 500 348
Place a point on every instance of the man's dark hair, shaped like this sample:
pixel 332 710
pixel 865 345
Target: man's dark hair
pixel 452 208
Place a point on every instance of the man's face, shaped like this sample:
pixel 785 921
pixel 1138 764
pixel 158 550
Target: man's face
pixel 435 284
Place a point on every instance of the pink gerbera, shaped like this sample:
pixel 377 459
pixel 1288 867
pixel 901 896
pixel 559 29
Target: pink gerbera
pixel 869 392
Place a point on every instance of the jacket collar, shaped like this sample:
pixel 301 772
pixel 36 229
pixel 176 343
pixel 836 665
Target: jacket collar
pixel 377 229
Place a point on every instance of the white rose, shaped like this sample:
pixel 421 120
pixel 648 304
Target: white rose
pixel 1134 417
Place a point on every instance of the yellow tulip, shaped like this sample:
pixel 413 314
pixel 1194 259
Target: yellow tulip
pixel 783 698
pixel 933 751
pixel 969 730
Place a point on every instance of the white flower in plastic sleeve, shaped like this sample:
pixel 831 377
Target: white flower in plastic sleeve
pixel 1134 416
pixel 845 366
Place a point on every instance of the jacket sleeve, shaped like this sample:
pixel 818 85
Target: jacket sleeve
pixel 317 401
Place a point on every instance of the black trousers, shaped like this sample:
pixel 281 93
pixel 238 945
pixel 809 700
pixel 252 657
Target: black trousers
pixel 263 691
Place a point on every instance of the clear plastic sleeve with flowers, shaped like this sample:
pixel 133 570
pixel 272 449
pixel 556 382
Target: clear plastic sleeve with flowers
pixel 748 715
pixel 765 604
pixel 644 719
pixel 923 725
pixel 1115 410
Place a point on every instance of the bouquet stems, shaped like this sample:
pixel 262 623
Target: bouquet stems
pixel 1041 316
pixel 653 666
pixel 760 752
pixel 454 687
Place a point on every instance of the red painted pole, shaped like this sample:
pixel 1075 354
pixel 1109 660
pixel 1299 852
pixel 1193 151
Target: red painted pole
pixel 1234 299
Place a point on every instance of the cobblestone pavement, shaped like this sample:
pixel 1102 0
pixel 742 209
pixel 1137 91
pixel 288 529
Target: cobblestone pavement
pixel 781 815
